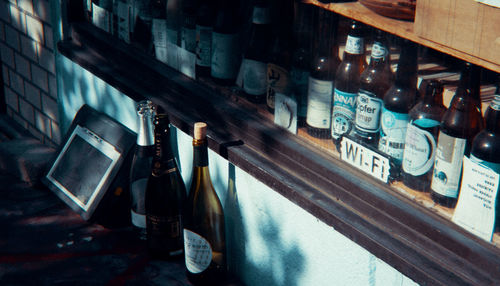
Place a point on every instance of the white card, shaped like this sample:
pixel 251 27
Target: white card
pixel 285 112
pixel 187 62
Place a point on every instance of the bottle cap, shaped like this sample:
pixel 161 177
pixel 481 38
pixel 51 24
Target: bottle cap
pixel 200 130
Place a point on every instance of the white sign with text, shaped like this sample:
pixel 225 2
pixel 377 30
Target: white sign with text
pixel 365 159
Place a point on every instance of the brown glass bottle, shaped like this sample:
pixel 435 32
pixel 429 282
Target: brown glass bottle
pixel 347 83
pixel 322 75
pixel 165 197
pixel 461 122
pixel 204 227
pixel 421 138
pixel 374 82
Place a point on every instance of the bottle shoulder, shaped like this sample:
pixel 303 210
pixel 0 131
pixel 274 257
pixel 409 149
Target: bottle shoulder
pixel 486 146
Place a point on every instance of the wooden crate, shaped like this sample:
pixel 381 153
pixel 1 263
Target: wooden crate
pixel 464 25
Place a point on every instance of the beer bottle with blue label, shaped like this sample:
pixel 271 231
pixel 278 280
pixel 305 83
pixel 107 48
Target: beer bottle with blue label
pixel 461 122
pixel 374 82
pixel 421 138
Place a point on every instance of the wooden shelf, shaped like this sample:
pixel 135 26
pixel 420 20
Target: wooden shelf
pixel 403 29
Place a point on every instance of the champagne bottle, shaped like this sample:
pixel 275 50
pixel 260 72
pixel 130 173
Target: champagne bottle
pixel 278 67
pixel 141 166
pixel 226 51
pixel 165 197
pixel 421 138
pixel 461 122
pixel 374 82
pixel 204 26
pixel 320 91
pixel 347 83
pixel 188 41
pixel 398 101
pixel 257 52
pixel 204 229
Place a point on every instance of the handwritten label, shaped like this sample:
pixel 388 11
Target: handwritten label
pixel 365 159
pixel 198 252
pixel 285 112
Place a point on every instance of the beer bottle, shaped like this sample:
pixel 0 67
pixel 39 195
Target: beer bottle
pixel 205 17
pixel 421 138
pixel 374 82
pixel 347 83
pixel 398 101
pixel 461 122
pixel 322 75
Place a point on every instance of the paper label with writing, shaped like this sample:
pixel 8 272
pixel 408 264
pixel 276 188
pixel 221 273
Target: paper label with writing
pixel 187 63
pixel 198 252
pixel 254 77
pixel 159 31
pixel 319 103
pixel 379 51
pixel 368 112
pixel 355 45
pixel 344 107
pixel 203 45
pixel 393 133
pixel 448 165
pixel 285 112
pixel 225 55
pixel 419 152
pixel 101 17
pixel 365 159
pixel 277 81
pixel 475 210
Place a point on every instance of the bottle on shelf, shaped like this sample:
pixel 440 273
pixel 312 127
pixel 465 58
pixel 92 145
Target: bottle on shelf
pixel 159 28
pixel 461 122
pixel 421 138
pixel 256 54
pixel 398 101
pixel 205 17
pixel 142 35
pixel 165 197
pixel 188 30
pixel 374 82
pixel 141 166
pixel 204 227
pixel 301 57
pixel 173 14
pixel 347 83
pixel 226 50
pixel 278 67
pixel 322 75
pixel 122 19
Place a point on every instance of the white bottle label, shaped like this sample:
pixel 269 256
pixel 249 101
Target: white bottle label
pixel 138 210
pixel 379 51
pixel 368 112
pixel 159 31
pixel 261 15
pixel 123 15
pixel 448 165
pixel 254 77
pixel 419 152
pixel 319 103
pixel 344 107
pixel 393 133
pixel 225 56
pixel 198 252
pixel 101 18
pixel 354 45
pixel 203 45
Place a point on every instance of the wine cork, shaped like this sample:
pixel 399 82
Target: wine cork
pixel 200 130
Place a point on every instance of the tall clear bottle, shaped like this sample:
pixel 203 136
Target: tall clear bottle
pixel 205 18
pixel 347 83
pixel 141 166
pixel 204 227
pixel 461 122
pixel 165 197
pixel 398 101
pixel 421 138
pixel 322 75
pixel 374 82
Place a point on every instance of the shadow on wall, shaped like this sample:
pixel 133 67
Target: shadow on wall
pixel 276 263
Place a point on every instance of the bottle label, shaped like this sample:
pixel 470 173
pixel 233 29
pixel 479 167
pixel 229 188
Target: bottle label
pixel 189 39
pixel 261 15
pixel 300 80
pixel 344 107
pixel 354 45
pixel 166 226
pixel 379 51
pixel 319 103
pixel 159 31
pixel 123 15
pixel 495 103
pixel 101 17
pixel 448 165
pixel 138 206
pixel 198 252
pixel 393 133
pixel 419 152
pixel 254 77
pixel 225 56
pixel 203 45
pixel 368 112
pixel 277 82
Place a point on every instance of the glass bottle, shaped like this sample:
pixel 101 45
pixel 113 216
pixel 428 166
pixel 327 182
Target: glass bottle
pixel 322 74
pixel 143 21
pixel 421 138
pixel 205 18
pixel 461 122
pixel 188 41
pixel 204 229
pixel 159 28
pixel 374 82
pixel 347 83
pixel 398 101
pixel 102 11
pixel 165 197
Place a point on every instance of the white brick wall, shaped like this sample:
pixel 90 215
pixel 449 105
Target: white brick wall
pixel 28 65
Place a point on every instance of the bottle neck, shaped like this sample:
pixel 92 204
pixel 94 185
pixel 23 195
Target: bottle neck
pixel 406 74
pixel 163 148
pixel 434 97
pixel 492 117
pixel 200 153
pixel 379 55
pixel 469 84
pixel 145 133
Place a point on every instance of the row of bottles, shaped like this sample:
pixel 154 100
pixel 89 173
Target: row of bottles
pixel 171 221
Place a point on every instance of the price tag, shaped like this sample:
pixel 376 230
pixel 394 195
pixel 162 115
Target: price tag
pixel 365 159
pixel 475 209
